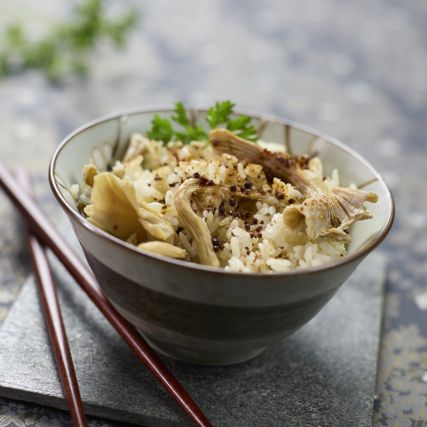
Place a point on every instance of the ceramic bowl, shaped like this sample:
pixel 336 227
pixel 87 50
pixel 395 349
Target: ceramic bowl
pixel 201 314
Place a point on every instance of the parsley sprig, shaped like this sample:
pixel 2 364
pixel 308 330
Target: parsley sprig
pixel 65 48
pixel 189 132
pixel 219 115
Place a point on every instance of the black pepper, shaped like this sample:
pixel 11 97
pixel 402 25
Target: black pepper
pixel 215 241
pixel 203 181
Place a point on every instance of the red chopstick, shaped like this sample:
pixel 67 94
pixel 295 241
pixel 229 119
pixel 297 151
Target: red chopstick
pixel 54 322
pixel 47 234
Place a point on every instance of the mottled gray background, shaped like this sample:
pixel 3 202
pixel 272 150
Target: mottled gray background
pixel 356 70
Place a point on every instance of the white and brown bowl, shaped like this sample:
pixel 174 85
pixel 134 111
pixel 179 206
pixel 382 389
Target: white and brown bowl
pixel 197 313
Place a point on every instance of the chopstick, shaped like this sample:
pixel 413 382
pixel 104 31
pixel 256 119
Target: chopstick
pixel 47 234
pixel 54 322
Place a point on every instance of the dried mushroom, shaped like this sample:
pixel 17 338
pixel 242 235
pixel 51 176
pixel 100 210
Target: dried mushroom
pixel 322 212
pixel 110 209
pixel 163 248
pixel 115 209
pixel 89 173
pixel 195 225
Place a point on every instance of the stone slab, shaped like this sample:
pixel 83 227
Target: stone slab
pixel 324 375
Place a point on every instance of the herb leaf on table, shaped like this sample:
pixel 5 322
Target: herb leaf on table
pixel 65 49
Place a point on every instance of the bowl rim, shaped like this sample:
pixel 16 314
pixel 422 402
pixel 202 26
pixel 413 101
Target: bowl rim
pixel 358 254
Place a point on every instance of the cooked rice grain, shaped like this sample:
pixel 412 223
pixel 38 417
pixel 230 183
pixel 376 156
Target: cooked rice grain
pixel 247 235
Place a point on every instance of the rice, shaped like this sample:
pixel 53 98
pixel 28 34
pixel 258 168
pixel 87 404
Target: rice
pixel 248 234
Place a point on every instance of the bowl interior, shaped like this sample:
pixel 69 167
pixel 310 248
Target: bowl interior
pixel 105 141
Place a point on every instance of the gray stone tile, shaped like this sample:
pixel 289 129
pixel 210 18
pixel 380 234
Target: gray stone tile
pixel 323 375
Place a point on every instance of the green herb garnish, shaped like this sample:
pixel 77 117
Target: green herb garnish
pixel 242 127
pixel 161 129
pixel 217 116
pixel 65 49
pixel 219 113
pixel 190 133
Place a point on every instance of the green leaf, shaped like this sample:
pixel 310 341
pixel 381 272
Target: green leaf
pixel 15 36
pixel 161 129
pixel 66 47
pixel 219 113
pixel 180 115
pixel 190 133
pixel 242 127
pixel 197 133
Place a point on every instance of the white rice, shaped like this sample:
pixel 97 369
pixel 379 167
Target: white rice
pixel 262 243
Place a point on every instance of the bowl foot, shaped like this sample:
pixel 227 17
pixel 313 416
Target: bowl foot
pixel 208 357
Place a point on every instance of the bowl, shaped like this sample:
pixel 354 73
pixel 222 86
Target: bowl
pixel 201 314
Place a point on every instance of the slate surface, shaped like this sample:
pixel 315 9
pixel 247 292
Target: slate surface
pixel 323 375
pixel 355 70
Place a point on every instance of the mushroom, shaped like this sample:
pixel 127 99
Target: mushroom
pixel 195 225
pixel 116 210
pixel 151 220
pixel 329 213
pixel 89 173
pixel 322 212
pixel 163 248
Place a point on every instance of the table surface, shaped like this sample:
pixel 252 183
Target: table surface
pixel 356 70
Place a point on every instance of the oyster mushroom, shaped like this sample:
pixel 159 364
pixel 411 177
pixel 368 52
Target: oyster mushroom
pixel 116 210
pixel 275 164
pixel 163 248
pixel 196 226
pixel 322 212
pixel 89 173
pixel 329 213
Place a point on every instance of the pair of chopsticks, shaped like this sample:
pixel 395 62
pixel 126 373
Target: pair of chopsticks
pixel 43 233
pixel 54 322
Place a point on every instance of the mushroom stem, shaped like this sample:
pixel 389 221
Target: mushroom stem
pixel 324 212
pixel 279 165
pixel 195 225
